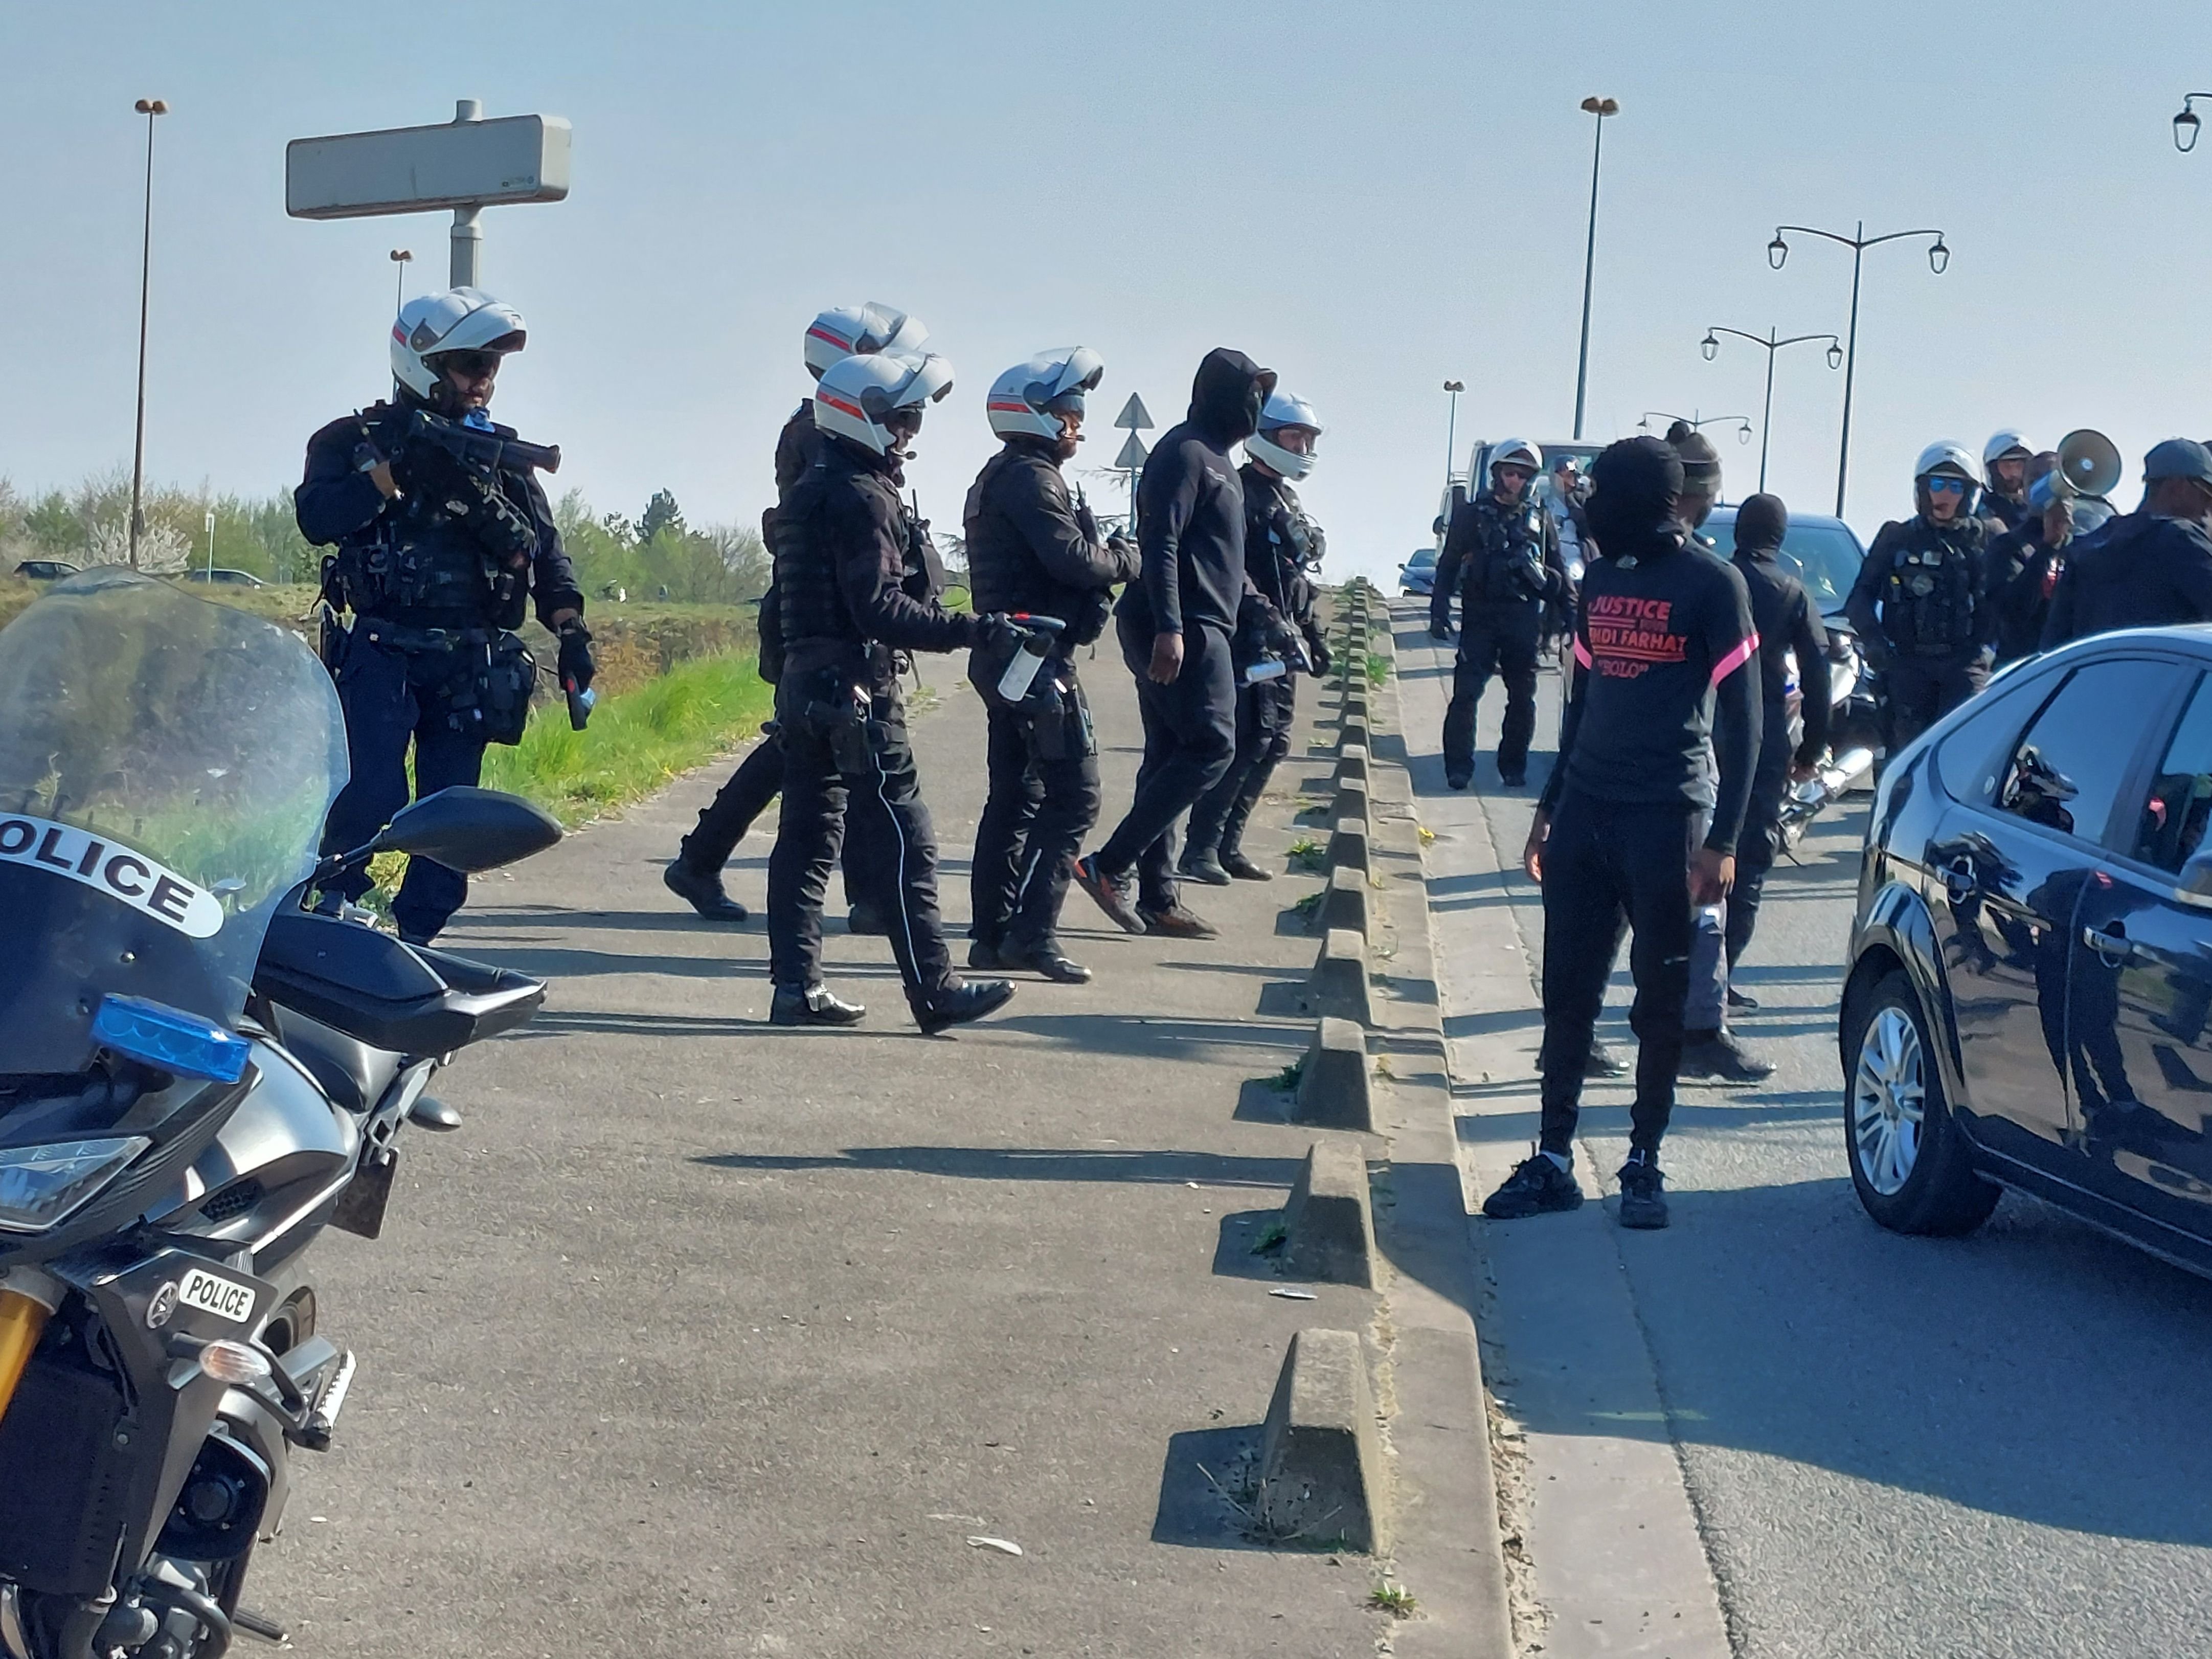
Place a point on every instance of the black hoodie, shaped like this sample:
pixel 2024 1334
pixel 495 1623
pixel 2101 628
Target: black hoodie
pixel 1190 502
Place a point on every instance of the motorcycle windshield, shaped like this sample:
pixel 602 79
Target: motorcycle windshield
pixel 165 765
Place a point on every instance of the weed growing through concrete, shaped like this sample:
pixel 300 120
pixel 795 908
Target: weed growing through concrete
pixel 1286 1081
pixel 1393 1599
pixel 1306 906
pixel 1272 1237
pixel 1378 668
pixel 1383 1069
pixel 1427 835
pixel 1308 855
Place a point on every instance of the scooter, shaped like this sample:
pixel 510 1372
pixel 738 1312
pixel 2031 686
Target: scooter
pixel 196 1079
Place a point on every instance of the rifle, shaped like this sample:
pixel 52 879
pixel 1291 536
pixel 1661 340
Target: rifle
pixel 479 449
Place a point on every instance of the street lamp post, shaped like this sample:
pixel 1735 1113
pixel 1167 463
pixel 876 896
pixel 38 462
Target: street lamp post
pixel 1778 251
pixel 150 108
pixel 1599 108
pixel 400 256
pixel 1710 346
pixel 1451 429
pixel 2186 124
pixel 1697 423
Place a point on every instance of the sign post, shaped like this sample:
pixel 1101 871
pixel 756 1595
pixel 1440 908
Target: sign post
pixel 467 164
pixel 1134 418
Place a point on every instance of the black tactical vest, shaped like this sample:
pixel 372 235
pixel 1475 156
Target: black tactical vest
pixel 1505 538
pixel 1928 596
pixel 419 564
pixel 810 605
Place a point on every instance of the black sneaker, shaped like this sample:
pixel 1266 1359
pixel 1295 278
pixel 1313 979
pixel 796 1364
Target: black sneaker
pixel 1242 868
pixel 1602 1062
pixel 865 918
pixel 1537 1187
pixel 985 955
pixel 1737 999
pixel 1643 1204
pixel 960 1002
pixel 1110 893
pixel 1717 1054
pixel 1203 866
pixel 702 891
pixel 811 1004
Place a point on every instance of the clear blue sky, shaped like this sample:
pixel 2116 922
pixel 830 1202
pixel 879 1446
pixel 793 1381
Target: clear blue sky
pixel 1368 197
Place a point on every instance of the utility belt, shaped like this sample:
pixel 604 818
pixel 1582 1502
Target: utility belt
pixel 834 703
pixel 1054 713
pixel 482 678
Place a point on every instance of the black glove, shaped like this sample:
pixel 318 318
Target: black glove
pixel 576 664
pixel 1317 651
pixel 996 631
pixel 1088 623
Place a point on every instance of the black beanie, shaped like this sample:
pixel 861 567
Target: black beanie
pixel 1701 462
pixel 1635 483
pixel 1761 522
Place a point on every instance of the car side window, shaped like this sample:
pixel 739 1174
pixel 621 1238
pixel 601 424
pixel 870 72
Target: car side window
pixel 1973 757
pixel 2066 770
pixel 2171 826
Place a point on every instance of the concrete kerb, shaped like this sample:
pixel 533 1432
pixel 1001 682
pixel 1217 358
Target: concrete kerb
pixel 1351 846
pixel 1344 902
pixel 1328 1225
pixel 1334 1090
pixel 1338 987
pixel 1352 798
pixel 1322 1473
pixel 1352 762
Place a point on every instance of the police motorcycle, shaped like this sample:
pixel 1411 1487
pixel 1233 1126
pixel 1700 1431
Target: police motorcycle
pixel 197 1078
pixel 1851 727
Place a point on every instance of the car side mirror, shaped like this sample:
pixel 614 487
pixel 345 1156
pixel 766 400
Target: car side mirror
pixel 470 830
pixel 2193 886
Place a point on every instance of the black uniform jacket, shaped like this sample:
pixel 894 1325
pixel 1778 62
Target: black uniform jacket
pixel 1029 550
pixel 2017 572
pixel 2137 572
pixel 1868 604
pixel 337 500
pixel 1663 645
pixel 1484 559
pixel 1786 622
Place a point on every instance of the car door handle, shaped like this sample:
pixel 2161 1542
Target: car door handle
pixel 2110 942
pixel 1958 877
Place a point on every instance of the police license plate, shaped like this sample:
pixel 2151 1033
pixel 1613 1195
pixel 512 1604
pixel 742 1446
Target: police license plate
pixel 226 1298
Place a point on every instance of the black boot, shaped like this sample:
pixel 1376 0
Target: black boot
pixel 811 1004
pixel 1242 868
pixel 702 891
pixel 1046 958
pixel 1200 864
pixel 960 1002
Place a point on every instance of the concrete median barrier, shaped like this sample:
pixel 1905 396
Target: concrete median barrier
pixel 1321 1462
pixel 1345 903
pixel 1334 1091
pixel 1353 800
pixel 1328 1225
pixel 1340 988
pixel 1352 762
pixel 1351 846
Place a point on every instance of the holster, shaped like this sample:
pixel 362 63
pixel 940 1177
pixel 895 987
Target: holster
pixel 508 675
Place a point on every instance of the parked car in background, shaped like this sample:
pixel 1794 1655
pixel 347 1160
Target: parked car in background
pixel 222 578
pixel 1823 553
pixel 1418 573
pixel 44 570
pixel 2029 999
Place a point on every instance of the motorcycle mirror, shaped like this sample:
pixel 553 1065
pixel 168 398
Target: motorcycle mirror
pixel 2194 885
pixel 470 830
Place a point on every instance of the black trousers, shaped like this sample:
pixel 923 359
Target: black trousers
pixel 1190 738
pixel 725 819
pixel 1760 842
pixel 1606 859
pixel 1264 713
pixel 871 790
pixel 390 702
pixel 1498 640
pixel 1043 801
pixel 1917 692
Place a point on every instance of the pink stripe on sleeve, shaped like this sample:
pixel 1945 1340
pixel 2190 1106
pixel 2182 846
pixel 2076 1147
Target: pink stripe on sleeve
pixel 1735 658
pixel 1581 652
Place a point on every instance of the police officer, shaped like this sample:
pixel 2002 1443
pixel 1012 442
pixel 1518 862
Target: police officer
pixel 1641 813
pixel 694 875
pixel 2022 568
pixel 1277 638
pixel 851 591
pixel 2153 567
pixel 1034 551
pixel 444 538
pixel 1790 634
pixel 1174 624
pixel 1916 602
pixel 2005 462
pixel 1501 558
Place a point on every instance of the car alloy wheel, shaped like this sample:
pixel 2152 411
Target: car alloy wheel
pixel 1889 1094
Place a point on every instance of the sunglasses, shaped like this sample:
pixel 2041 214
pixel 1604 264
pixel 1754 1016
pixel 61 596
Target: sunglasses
pixel 1947 486
pixel 1521 473
pixel 470 365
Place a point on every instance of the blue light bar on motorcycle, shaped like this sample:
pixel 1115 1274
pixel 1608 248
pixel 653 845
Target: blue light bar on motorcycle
pixel 171 1039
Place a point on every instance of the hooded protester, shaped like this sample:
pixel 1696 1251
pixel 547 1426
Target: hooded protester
pixel 1175 623
pixel 1664 689
pixel 1701 477
pixel 2153 567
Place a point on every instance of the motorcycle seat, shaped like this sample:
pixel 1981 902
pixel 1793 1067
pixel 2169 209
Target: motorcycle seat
pixel 403 998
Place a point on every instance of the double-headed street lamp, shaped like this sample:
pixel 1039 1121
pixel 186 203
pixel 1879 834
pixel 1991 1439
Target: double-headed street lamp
pixel 1451 428
pixel 1599 107
pixel 400 257
pixel 1697 423
pixel 150 108
pixel 1778 251
pixel 1710 345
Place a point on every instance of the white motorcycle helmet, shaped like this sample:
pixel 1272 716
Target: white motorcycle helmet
pixel 1948 459
pixel 459 319
pixel 1281 409
pixel 1028 400
pixel 2005 446
pixel 857 395
pixel 1520 451
pixel 857 330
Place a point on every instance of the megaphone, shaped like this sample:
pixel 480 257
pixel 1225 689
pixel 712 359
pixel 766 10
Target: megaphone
pixel 2088 465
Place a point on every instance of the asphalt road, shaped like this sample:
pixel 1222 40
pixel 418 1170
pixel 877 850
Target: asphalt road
pixel 1880 1445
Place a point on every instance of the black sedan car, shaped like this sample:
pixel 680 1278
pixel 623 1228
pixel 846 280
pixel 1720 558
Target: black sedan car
pixel 2029 999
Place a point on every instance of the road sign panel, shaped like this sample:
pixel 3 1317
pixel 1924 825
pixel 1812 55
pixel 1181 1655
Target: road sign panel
pixel 1134 416
pixel 455 164
pixel 1132 454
